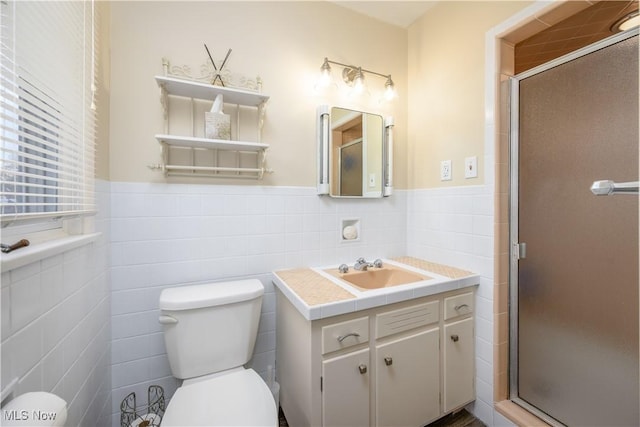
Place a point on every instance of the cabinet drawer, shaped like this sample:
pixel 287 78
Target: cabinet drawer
pixel 407 318
pixel 345 334
pixel 458 305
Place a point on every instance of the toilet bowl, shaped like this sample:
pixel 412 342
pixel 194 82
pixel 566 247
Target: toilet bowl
pixel 210 332
pixel 239 398
pixel 37 408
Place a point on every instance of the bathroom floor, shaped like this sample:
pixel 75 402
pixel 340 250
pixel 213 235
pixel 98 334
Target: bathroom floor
pixel 457 419
pixel 283 420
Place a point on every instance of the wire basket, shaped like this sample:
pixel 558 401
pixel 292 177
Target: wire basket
pixel 131 417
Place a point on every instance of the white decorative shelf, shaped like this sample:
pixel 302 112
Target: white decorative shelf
pixel 249 158
pixel 192 89
pixel 214 144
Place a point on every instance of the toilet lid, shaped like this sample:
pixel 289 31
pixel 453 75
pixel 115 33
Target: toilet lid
pixel 239 398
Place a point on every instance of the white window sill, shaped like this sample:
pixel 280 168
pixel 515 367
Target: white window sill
pixel 39 251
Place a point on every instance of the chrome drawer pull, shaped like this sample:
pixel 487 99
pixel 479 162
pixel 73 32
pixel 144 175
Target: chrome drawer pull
pixel 455 338
pixel 388 361
pixel 363 369
pixel 352 334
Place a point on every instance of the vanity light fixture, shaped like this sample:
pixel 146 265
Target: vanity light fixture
pixel 353 76
pixel 627 22
pixel 323 132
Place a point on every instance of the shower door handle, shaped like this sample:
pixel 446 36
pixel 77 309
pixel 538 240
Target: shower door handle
pixel 606 187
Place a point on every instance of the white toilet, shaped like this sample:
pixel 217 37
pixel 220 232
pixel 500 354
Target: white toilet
pixel 210 331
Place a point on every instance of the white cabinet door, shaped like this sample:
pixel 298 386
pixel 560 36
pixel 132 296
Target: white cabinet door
pixel 458 364
pixel 408 380
pixel 345 390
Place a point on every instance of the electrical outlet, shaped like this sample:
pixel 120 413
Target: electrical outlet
pixel 372 180
pixel 471 167
pixel 445 170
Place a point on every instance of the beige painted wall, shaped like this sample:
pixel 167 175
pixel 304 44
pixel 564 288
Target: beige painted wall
pixel 446 79
pixel 102 94
pixel 283 42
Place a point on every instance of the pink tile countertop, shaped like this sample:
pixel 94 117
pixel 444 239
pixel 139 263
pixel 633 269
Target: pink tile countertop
pixel 317 294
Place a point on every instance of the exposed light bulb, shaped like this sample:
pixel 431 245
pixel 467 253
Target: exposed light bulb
pixel 390 89
pixel 325 74
pixel 324 80
pixel 358 82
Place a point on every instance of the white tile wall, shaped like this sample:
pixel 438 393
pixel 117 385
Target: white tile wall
pixel 455 226
pixel 56 329
pixel 165 235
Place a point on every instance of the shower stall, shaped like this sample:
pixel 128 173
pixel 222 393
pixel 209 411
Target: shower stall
pixel 574 237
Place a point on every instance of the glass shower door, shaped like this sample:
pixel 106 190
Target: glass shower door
pixel 575 285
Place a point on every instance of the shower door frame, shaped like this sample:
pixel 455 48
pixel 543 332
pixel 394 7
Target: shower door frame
pixel 514 174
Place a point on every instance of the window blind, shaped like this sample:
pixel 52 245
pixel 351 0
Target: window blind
pixel 48 131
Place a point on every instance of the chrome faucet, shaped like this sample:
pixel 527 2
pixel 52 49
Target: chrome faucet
pixel 362 265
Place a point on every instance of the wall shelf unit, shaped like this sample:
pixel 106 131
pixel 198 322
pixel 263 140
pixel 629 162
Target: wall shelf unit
pixel 213 144
pixel 193 89
pixel 194 155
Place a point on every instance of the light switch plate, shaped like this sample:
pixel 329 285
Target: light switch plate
pixel 471 167
pixel 445 170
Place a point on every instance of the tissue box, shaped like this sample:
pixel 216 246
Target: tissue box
pixel 217 126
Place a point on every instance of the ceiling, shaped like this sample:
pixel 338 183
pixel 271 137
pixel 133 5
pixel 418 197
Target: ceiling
pixel 399 13
pixel 580 30
pixel 583 28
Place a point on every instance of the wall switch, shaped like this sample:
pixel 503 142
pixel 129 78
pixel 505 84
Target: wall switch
pixel 471 167
pixel 445 170
pixel 372 180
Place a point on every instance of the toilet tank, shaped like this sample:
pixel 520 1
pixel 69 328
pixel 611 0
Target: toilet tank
pixel 210 328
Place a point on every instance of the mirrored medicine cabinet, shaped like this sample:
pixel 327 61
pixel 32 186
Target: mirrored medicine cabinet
pixel 354 153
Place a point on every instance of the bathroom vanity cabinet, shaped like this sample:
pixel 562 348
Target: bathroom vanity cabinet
pixel 407 363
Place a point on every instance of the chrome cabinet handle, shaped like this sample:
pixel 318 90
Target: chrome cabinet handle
pixel 363 369
pixel 455 338
pixel 458 307
pixel 351 334
pixel 388 361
